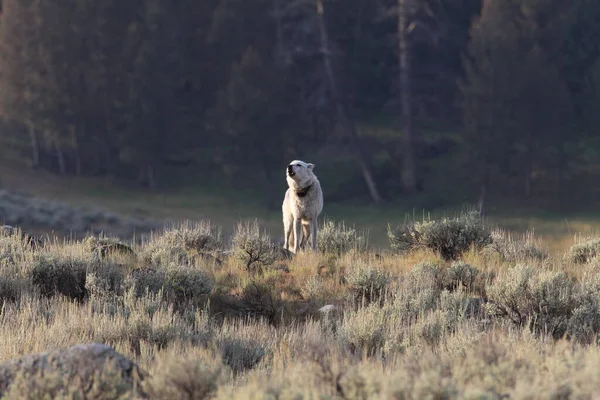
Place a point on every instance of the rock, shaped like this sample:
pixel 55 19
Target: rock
pixel 106 248
pixel 327 309
pixel 78 365
pixel 7 230
pixel 32 241
pixel 331 311
pixel 282 268
pixel 284 254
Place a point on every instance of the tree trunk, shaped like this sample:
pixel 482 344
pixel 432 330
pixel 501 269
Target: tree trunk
pixel 142 176
pixel 483 189
pixel 409 178
pixel 344 119
pixel 560 173
pixel 528 163
pixel 110 149
pixel 151 177
pixel 75 144
pixel 281 58
pixel 60 158
pixel 35 149
pixel 273 198
pixel 315 128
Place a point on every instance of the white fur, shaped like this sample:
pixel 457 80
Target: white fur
pixel 300 213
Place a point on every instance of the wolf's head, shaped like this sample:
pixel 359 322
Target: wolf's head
pixel 299 174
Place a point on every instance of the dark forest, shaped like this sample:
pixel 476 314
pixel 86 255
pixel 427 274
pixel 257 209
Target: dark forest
pixel 457 99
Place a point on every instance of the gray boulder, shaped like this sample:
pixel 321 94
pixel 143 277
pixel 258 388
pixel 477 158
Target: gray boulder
pixel 78 367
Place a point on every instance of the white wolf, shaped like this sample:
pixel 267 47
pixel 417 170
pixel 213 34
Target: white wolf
pixel 301 207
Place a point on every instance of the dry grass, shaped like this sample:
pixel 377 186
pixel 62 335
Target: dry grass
pixel 499 322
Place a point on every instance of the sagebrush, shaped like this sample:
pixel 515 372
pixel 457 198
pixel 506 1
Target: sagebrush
pixel 449 237
pixel 205 317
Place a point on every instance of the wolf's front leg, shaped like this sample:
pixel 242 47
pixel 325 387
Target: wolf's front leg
pixel 305 236
pixel 288 230
pixel 297 235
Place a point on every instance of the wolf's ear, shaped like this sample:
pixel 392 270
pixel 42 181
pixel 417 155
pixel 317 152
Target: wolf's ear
pixel 310 166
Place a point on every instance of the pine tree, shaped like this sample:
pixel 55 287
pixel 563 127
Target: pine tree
pixel 150 108
pixel 251 139
pixel 513 97
pixel 21 76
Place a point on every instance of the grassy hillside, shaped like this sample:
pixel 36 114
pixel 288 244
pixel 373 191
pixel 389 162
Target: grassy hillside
pixel 458 311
